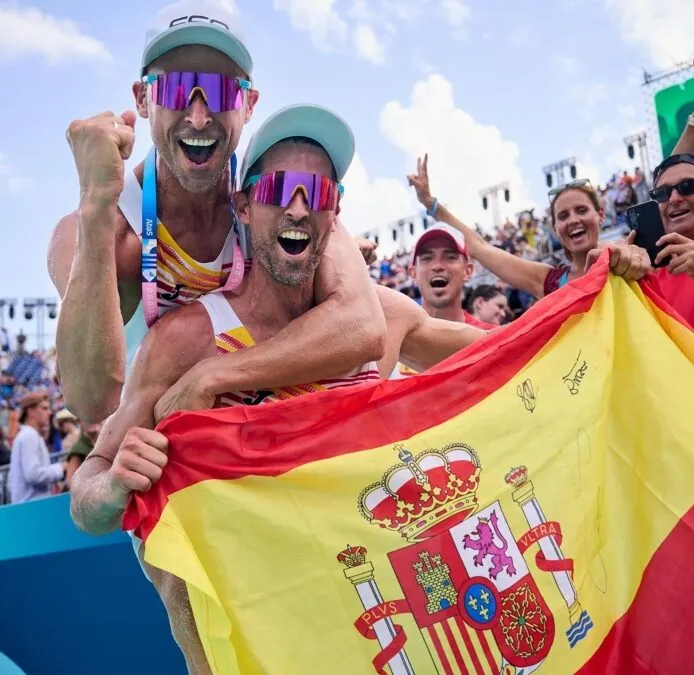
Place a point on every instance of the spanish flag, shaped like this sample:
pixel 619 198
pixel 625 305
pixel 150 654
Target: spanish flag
pixel 525 507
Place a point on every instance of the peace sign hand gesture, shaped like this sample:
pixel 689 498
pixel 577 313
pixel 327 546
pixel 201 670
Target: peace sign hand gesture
pixel 420 182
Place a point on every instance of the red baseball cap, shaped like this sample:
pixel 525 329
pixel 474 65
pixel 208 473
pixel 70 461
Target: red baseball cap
pixel 441 231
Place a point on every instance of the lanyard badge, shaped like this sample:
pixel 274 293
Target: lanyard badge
pixel 150 241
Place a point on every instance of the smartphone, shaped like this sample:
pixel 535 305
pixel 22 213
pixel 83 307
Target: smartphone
pixel 646 220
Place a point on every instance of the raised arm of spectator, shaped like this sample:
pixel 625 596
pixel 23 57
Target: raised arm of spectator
pixel 525 275
pixel 686 141
pixel 343 331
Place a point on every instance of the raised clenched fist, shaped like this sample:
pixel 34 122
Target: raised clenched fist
pixel 100 146
pixel 138 464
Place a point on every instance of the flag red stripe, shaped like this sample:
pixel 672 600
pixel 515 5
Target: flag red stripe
pixel 483 641
pixel 651 289
pixel 665 598
pixel 272 439
pixel 439 651
pixel 456 650
pixel 472 652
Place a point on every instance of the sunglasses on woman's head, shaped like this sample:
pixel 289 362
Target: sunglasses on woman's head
pixel 579 182
pixel 662 193
pixel 175 90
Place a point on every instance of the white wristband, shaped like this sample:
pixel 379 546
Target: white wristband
pixel 690 120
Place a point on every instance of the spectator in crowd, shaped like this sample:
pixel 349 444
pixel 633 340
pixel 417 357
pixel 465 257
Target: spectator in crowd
pixel 5 453
pixel 31 473
pixel 673 189
pixel 488 304
pixel 576 218
pixel 68 428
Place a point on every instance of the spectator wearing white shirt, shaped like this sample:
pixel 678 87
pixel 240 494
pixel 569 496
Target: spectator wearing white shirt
pixel 31 473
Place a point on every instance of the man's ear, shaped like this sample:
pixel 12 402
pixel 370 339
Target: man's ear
pixel 251 100
pixel 243 205
pixel 140 94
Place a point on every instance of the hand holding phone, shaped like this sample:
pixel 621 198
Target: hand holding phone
pixel 645 219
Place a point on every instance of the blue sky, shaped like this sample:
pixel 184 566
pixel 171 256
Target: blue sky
pixel 492 89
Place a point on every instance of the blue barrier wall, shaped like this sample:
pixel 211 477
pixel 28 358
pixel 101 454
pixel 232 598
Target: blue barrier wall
pixel 74 604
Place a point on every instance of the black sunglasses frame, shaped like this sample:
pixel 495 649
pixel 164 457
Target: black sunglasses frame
pixel 666 190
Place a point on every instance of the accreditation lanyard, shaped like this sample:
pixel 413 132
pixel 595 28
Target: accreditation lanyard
pixel 149 241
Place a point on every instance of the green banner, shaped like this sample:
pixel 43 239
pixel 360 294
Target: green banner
pixel 672 106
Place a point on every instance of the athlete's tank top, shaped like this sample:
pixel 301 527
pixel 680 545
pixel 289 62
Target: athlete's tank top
pixel 231 336
pixel 180 278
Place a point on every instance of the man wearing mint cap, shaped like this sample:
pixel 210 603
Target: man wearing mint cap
pixel 146 241
pixel 290 195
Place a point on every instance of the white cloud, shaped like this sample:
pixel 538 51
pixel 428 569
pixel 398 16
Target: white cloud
pixel 372 204
pixel 464 155
pixel 664 27
pixel 456 14
pixel 568 65
pixel 601 135
pixel 318 18
pixel 368 45
pixel 368 25
pixel 27 31
pixel 10 179
pixel 626 110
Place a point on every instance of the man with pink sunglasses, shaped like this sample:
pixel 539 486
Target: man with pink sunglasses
pixel 145 241
pixel 290 197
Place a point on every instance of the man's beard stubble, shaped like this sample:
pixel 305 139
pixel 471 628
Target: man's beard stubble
pixel 283 271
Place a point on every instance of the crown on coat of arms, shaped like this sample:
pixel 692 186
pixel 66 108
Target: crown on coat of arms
pixel 352 556
pixel 424 495
pixel 517 477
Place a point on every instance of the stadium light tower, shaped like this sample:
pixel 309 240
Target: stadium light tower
pixel 554 173
pixel 38 308
pixel 641 140
pixel 10 303
pixel 492 192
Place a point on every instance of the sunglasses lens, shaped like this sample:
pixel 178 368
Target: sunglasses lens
pixel 661 194
pixel 686 187
pixel 278 188
pixel 174 91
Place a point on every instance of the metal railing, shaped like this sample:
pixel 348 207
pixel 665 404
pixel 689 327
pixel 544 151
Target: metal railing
pixel 5 471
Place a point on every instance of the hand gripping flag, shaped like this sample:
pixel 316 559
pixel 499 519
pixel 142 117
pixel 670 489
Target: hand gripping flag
pixel 526 506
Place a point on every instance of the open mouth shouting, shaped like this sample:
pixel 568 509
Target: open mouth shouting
pixel 438 282
pixel 198 151
pixel 294 242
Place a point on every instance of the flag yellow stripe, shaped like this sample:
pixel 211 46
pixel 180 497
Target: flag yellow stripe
pixel 600 463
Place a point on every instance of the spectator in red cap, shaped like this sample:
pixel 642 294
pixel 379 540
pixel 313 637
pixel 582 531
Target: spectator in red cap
pixel 441 267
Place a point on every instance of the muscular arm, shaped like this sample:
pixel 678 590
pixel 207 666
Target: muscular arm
pixel 526 275
pixel 175 343
pixel 344 331
pixel 90 342
pixel 418 340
